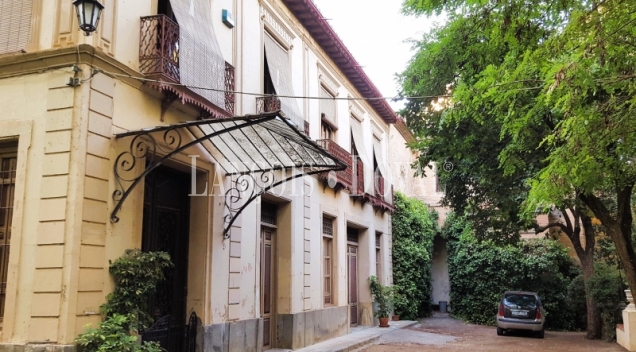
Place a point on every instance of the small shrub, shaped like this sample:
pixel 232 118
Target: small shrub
pixel 136 275
pixel 113 335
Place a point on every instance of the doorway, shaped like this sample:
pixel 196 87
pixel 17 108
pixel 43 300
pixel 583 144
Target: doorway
pixel 267 285
pixel 352 274
pixel 166 228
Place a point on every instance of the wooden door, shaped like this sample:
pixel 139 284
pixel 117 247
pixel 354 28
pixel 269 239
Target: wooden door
pixel 352 279
pixel 268 289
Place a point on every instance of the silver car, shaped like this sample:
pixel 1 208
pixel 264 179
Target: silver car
pixel 521 310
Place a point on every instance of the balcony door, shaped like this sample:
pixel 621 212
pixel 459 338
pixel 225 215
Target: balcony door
pixel 8 163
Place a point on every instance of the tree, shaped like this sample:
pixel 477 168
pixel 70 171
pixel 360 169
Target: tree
pixel 548 86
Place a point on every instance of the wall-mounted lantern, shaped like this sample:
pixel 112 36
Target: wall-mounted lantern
pixel 88 12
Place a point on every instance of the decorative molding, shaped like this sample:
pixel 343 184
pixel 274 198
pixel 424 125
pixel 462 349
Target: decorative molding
pixel 327 80
pixel 106 28
pixel 66 29
pixel 276 28
pixel 377 131
pixel 356 111
pixel 36 21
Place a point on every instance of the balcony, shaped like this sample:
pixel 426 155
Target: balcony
pixel 271 104
pixel 159 60
pixel 267 104
pixel 378 201
pixel 344 178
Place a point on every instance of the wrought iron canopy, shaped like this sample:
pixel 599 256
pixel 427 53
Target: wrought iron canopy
pixel 257 152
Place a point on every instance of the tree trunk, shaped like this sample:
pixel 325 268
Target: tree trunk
pixel 572 229
pixel 594 322
pixel 618 228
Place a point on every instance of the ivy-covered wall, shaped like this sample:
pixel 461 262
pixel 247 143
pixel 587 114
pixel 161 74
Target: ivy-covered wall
pixel 414 227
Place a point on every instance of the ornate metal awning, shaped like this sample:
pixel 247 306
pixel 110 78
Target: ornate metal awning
pixel 257 152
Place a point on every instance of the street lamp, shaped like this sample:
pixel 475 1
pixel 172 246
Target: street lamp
pixel 88 12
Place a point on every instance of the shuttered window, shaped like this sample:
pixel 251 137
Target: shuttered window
pixel 15 25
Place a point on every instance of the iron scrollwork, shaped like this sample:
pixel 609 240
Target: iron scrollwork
pixel 245 188
pixel 143 147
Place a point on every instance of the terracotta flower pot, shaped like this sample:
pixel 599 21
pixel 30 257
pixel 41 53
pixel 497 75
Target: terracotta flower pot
pixel 396 317
pixel 384 322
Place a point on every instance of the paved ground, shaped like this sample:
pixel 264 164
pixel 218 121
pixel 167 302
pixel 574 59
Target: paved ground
pixel 450 335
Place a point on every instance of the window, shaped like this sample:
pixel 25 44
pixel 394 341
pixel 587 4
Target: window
pixel 327 255
pixel 8 163
pixel 378 256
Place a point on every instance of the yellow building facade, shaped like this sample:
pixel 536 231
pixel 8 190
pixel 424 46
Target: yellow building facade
pixel 287 268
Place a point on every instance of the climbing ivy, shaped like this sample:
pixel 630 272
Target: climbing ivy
pixel 414 227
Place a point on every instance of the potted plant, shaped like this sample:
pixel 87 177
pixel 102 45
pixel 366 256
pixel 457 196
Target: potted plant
pixel 398 301
pixel 383 296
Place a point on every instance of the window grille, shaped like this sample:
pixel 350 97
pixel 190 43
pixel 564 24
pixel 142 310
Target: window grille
pixel 7 188
pixel 268 213
pixel 352 235
pixel 327 226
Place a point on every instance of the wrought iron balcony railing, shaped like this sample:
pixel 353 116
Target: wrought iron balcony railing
pixel 229 88
pixel 159 47
pixel 159 55
pixel 344 178
pixel 267 104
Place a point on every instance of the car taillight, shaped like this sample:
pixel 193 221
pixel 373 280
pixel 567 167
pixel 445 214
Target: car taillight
pixel 501 310
pixel 538 314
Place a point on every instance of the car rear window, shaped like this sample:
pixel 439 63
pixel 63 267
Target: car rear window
pixel 520 299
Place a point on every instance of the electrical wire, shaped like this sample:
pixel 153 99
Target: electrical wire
pixel 396 98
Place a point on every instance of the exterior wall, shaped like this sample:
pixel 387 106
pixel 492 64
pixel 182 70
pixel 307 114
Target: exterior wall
pixel 63 239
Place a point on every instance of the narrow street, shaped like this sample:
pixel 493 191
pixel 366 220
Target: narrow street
pixel 450 335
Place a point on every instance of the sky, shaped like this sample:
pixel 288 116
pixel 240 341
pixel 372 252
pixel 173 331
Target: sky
pixel 376 32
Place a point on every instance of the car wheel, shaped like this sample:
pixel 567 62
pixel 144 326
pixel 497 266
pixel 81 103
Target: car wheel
pixel 541 333
pixel 500 331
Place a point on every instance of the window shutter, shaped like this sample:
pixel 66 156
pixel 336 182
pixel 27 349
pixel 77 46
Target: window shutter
pixel 15 25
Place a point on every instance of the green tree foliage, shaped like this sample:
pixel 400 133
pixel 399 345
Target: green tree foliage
pixel 414 227
pixel 540 110
pixel 481 271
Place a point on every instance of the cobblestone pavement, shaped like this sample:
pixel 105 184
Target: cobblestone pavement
pixel 450 335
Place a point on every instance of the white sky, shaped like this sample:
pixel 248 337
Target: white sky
pixel 375 32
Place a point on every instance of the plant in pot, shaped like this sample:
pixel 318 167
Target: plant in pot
pixel 398 301
pixel 383 296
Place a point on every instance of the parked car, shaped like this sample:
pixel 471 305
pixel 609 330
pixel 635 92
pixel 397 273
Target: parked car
pixel 521 310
